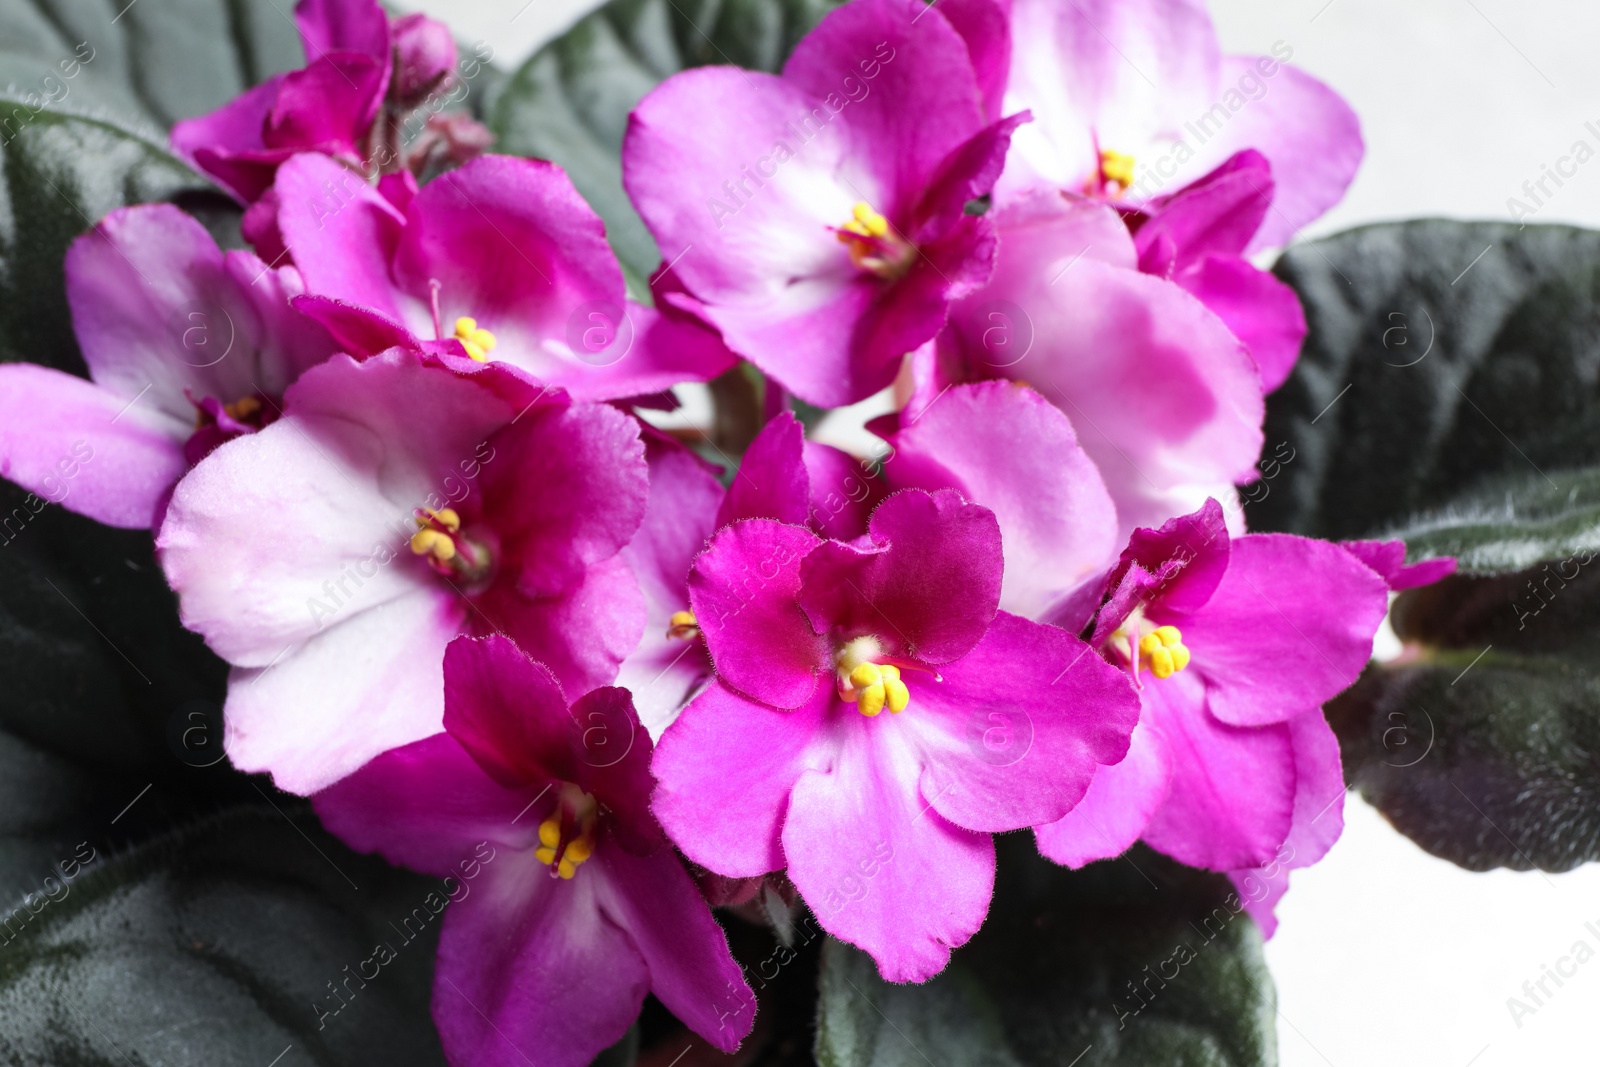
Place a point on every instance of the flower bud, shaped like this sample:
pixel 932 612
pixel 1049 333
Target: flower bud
pixel 425 59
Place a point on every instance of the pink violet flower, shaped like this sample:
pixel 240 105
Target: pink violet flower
pixel 361 79
pixel 398 503
pixel 187 346
pixel 1209 158
pixel 500 260
pixel 582 906
pixel 819 218
pixel 1163 397
pixel 1235 643
pixel 788 759
pixel 781 476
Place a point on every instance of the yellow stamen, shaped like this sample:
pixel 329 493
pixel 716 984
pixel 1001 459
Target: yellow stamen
pixel 550 832
pixel 683 624
pixel 1116 167
pixel 1164 650
pixel 895 691
pixel 431 542
pixel 477 341
pixel 566 837
pixel 243 408
pixel 445 517
pixel 869 685
pixel 566 868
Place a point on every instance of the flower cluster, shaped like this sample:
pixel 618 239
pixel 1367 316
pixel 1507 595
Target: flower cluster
pixel 401 477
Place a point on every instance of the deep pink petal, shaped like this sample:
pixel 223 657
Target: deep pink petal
pixel 968 172
pixel 342 233
pixel 1289 627
pixel 928 587
pixel 1006 448
pixel 1112 815
pixel 1232 794
pixel 843 494
pixel 691 970
pixel 983 26
pixel 772 482
pixel 744 590
pixel 1012 736
pixel 210 141
pixel 531 970
pixel 328 106
pixel 1319 790
pixel 726 768
pixel 1388 558
pixel 1216 215
pixel 77 444
pixel 1178 565
pixel 507 712
pixel 343 26
pixel 879 866
pixel 1260 310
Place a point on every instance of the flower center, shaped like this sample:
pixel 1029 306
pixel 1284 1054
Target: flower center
pixel 1160 647
pixel 1116 174
pixel 683 625
pixel 867 683
pixel 873 244
pixel 477 341
pixel 439 540
pixel 566 838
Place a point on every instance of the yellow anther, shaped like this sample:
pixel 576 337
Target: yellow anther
pixel 1161 664
pixel 545 855
pixel 242 408
pixel 566 868
pixel 1148 644
pixel 866 676
pixel 1116 167
pixel 477 341
pixel 580 850
pixel 550 832
pixel 683 624
pixel 431 542
pixel 445 517
pixel 1180 657
pixel 1163 649
pixel 871 700
pixel 1169 635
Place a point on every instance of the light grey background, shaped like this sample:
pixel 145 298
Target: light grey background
pixel 1385 955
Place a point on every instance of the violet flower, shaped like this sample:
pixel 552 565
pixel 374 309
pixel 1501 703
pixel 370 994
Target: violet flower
pixel 581 906
pixel 500 260
pixel 400 502
pixel 820 218
pixel 1235 644
pixel 187 347
pixel 882 820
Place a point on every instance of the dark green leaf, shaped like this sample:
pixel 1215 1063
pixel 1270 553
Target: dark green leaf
pixel 1483 744
pixel 143 62
pixel 215 946
pixel 569 103
pixel 1450 367
pixel 1129 962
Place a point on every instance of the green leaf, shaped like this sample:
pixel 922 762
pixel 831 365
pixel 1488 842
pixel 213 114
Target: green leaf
pixel 569 102
pixel 1445 391
pixel 150 63
pixel 1126 963
pixel 215 946
pixel 1480 744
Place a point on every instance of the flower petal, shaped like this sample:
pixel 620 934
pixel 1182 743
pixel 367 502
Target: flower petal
pixel 726 767
pixel 1113 813
pixel 1260 310
pixel 1012 736
pixel 744 592
pixel 1289 627
pixel 771 482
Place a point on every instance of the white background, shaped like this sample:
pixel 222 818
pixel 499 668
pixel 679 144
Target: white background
pixel 1385 955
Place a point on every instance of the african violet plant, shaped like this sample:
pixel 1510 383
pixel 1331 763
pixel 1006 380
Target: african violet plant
pixel 390 679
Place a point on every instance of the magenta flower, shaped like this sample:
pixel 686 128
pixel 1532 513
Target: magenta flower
pixel 782 476
pixel 817 217
pixel 883 821
pixel 1208 157
pixel 578 906
pixel 500 260
pixel 1388 558
pixel 400 502
pixel 186 346
pixel 1165 400
pixel 1235 644
pixel 350 102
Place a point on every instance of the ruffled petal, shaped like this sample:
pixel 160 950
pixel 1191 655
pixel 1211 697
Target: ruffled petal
pixel 1260 310
pixel 744 590
pixel 1013 734
pixel 726 768
pixel 1112 815
pixel 772 482
pixel 1289 627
